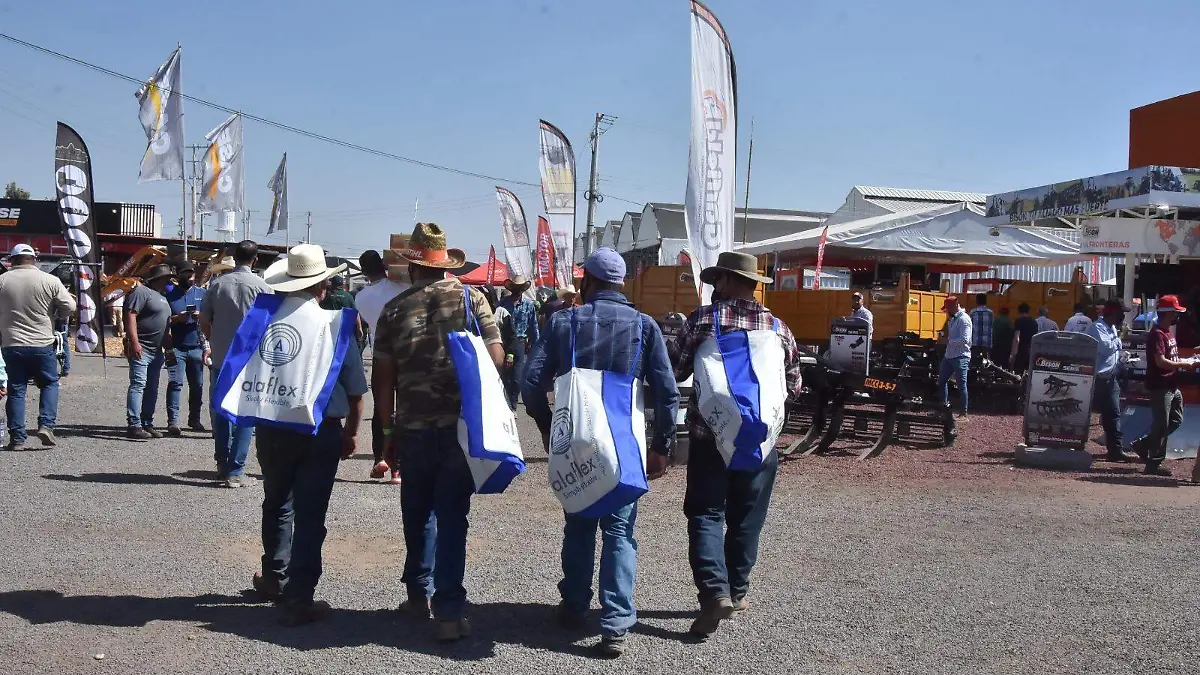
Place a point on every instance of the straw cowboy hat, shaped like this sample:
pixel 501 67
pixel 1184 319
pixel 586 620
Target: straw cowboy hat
pixel 427 248
pixel 741 264
pixel 567 291
pixel 304 266
pixel 517 284
pixel 222 266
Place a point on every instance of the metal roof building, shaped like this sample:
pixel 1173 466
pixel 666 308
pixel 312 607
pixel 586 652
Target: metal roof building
pixel 866 201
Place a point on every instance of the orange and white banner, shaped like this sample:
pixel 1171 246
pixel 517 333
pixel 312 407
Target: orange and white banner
pixel 816 286
pixel 223 178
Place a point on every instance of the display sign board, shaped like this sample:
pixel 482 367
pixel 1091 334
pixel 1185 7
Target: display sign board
pixel 1155 236
pixel 850 346
pixel 1135 188
pixel 1058 394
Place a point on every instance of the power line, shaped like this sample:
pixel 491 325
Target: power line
pixel 279 125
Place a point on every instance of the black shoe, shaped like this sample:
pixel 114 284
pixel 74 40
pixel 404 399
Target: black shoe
pixel 415 608
pixel 1153 469
pixel 174 430
pixel 1139 447
pixel 569 619
pixel 197 427
pixel 154 433
pixel 611 646
pixel 1118 456
pixel 138 434
pixel 298 614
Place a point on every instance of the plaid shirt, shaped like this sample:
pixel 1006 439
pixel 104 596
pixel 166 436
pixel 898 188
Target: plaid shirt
pixel 981 323
pixel 734 315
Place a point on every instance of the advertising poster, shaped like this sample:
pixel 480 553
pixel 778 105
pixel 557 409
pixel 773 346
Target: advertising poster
pixel 1134 386
pixel 1058 398
pixel 849 347
pixel 1153 236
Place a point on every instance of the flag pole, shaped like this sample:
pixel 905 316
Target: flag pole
pixel 749 162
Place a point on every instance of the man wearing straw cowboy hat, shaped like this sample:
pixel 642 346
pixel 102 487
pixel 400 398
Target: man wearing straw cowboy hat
pixel 415 379
pixel 525 326
pixel 716 496
pixel 299 467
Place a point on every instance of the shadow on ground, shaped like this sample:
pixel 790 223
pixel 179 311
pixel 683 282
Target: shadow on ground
pixel 135 479
pixel 94 431
pixel 525 624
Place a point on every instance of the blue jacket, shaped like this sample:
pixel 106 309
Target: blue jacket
pixel 604 340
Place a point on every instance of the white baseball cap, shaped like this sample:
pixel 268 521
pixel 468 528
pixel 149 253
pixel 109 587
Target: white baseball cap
pixel 22 249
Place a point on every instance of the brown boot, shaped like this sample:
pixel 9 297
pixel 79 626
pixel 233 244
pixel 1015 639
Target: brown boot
pixel 711 615
pixel 740 604
pixel 267 587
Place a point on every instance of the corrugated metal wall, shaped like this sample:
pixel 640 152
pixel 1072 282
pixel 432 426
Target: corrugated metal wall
pixel 1056 273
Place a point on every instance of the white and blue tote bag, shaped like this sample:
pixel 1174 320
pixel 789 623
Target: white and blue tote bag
pixel 284 363
pixel 487 428
pixel 597 459
pixel 740 390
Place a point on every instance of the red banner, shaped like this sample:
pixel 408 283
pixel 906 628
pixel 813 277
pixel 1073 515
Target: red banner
pixel 491 266
pixel 820 259
pixel 545 256
pixel 1095 270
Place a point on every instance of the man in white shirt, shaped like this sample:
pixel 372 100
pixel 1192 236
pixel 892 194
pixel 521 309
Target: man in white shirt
pixel 1080 322
pixel 370 302
pixel 1044 322
pixel 860 312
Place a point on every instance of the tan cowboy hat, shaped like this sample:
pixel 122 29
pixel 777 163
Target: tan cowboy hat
pixel 427 248
pixel 566 292
pixel 517 284
pixel 222 266
pixel 742 264
pixel 303 266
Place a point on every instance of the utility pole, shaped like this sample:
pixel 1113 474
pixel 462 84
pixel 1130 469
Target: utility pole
pixel 197 225
pixel 246 224
pixel 749 162
pixel 308 233
pixel 601 125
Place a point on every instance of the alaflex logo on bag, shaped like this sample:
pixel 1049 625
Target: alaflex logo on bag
pixel 579 475
pixel 280 346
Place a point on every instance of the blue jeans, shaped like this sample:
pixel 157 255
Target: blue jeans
pixel 144 374
pixel 716 499
pixel 232 442
pixel 618 567
pixel 298 473
pixel 436 484
pixel 1107 399
pixel 958 368
pixel 41 364
pixel 189 363
pixel 514 376
pixel 66 339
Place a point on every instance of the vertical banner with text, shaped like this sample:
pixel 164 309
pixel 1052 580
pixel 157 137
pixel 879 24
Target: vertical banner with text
pixel 712 150
pixel 516 234
pixel 556 163
pixel 545 256
pixel 73 186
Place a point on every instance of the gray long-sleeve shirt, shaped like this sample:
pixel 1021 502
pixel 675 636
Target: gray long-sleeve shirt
pixel 30 301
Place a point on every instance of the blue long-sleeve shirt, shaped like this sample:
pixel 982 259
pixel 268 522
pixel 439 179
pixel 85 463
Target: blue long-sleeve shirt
pixel 524 318
pixel 1108 354
pixel 604 340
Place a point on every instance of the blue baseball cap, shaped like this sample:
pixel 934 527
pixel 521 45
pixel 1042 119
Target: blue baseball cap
pixel 606 265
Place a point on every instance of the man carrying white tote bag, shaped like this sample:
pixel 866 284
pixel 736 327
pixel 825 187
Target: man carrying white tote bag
pixel 295 374
pixel 746 364
pixel 413 371
pixel 596 357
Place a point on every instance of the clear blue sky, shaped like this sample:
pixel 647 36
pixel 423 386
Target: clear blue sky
pixel 939 94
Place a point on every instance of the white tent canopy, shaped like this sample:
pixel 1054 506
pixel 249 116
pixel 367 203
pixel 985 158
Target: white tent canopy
pixel 949 234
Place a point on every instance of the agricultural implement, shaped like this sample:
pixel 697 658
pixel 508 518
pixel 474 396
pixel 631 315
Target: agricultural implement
pixel 896 402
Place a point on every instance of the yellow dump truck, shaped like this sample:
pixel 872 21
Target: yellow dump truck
pixel 1059 297
pixel 660 290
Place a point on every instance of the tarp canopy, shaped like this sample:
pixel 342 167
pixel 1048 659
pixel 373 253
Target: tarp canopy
pixel 478 276
pixel 949 234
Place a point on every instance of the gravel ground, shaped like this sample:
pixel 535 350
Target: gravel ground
pixel 930 561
